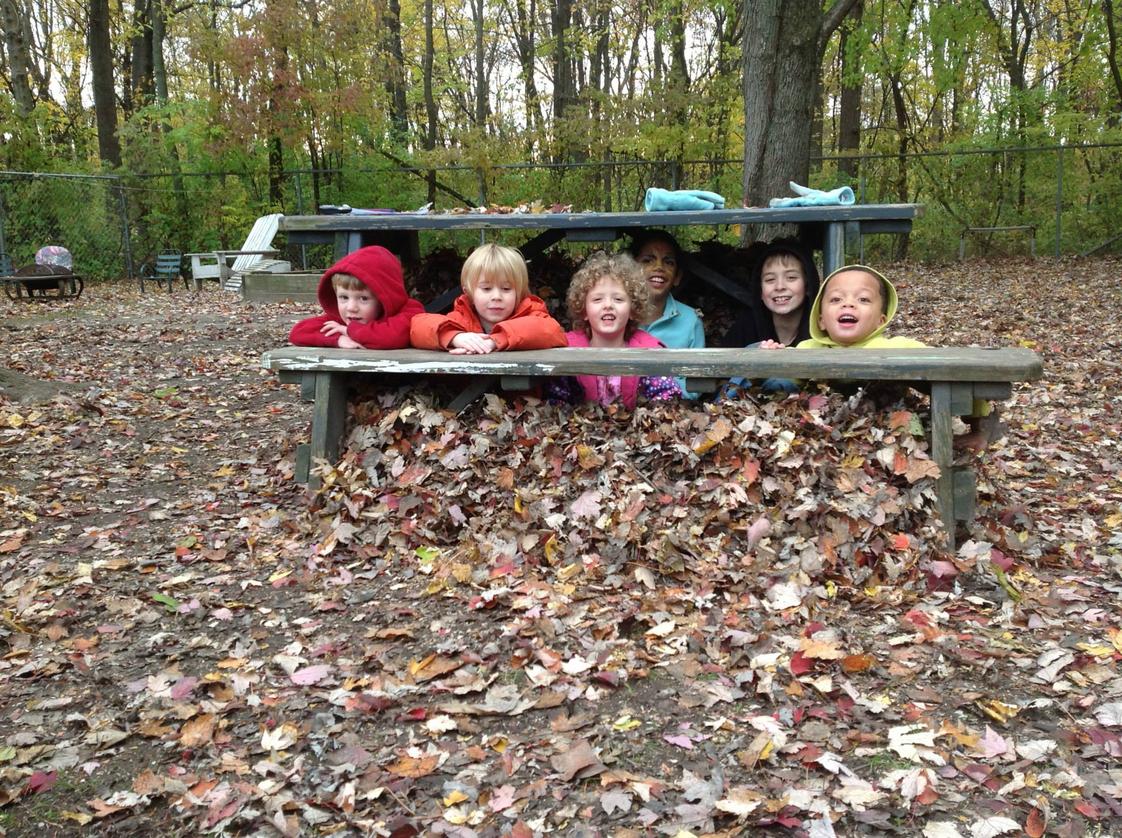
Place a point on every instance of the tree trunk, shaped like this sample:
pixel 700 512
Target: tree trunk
pixel 1112 60
pixel 395 84
pixel 19 59
pixel 522 26
pixel 902 134
pixel 101 65
pixel 481 91
pixel 430 101
pixel 849 106
pixel 780 48
pixel 783 45
pixel 562 64
pixel 679 76
pixel 142 86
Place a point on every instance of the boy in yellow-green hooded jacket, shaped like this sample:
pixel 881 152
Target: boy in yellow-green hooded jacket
pixel 853 308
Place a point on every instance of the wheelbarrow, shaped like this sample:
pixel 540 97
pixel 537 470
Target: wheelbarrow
pixel 50 278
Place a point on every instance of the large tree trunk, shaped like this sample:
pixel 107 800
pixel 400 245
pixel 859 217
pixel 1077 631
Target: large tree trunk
pixel 19 60
pixel 101 65
pixel 780 51
pixel 783 47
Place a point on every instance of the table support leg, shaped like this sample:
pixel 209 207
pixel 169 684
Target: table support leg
pixel 328 418
pixel 833 247
pixel 942 452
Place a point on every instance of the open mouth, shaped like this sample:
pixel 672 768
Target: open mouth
pixel 847 320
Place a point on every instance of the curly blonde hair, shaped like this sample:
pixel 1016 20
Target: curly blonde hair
pixel 624 270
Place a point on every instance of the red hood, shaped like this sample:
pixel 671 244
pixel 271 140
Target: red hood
pixel 377 269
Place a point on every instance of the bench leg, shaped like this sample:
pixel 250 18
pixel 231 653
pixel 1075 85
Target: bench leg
pixel 328 417
pixel 942 452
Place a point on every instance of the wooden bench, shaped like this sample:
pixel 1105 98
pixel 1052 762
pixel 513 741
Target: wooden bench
pixel 954 377
pixel 1015 228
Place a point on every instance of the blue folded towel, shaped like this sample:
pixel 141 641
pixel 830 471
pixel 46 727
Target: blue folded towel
pixel 807 197
pixel 660 200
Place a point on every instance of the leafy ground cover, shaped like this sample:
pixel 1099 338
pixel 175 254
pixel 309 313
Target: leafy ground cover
pixel 523 620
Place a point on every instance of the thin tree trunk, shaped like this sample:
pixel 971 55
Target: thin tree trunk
pixel 141 88
pixel 101 65
pixel 562 64
pixel 1112 60
pixel 849 106
pixel 481 91
pixel 395 84
pixel 901 111
pixel 430 101
pixel 19 60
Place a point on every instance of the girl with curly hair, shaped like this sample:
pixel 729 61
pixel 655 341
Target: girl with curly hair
pixel 607 300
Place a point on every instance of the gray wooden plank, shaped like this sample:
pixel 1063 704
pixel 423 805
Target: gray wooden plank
pixel 598 220
pixel 911 365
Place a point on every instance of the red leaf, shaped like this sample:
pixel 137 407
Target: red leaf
pixel 1000 559
pixel 1087 808
pixel 40 781
pixel 800 665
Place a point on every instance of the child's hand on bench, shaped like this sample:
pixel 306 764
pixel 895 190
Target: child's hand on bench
pixel 471 343
pixel 772 344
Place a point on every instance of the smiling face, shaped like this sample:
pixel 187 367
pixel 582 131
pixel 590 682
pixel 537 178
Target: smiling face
pixel 357 305
pixel 852 307
pixel 659 262
pixel 494 300
pixel 782 284
pixel 607 309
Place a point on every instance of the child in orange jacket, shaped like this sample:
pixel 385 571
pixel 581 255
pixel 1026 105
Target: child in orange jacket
pixel 496 312
pixel 365 304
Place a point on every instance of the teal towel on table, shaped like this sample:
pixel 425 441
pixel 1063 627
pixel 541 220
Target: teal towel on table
pixel 660 200
pixel 807 197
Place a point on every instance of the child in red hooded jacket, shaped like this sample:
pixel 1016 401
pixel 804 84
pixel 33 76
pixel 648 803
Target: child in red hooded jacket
pixel 364 302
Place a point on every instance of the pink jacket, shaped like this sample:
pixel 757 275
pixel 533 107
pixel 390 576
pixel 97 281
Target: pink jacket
pixel 629 384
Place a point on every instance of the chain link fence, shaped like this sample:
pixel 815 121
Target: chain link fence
pixel 83 213
pixel 1068 196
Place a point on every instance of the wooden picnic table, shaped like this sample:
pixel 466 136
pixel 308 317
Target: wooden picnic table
pixel 821 228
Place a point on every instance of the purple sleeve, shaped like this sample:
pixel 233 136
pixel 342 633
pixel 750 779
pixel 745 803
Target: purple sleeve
pixel 562 390
pixel 659 388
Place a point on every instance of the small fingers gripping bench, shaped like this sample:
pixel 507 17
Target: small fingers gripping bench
pixel 955 377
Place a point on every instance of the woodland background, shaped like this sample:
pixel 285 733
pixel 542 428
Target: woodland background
pixel 204 115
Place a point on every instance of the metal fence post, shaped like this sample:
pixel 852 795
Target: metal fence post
pixel 122 204
pixel 1059 193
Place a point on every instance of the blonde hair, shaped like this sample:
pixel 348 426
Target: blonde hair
pixel 347 282
pixel 624 270
pixel 495 261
